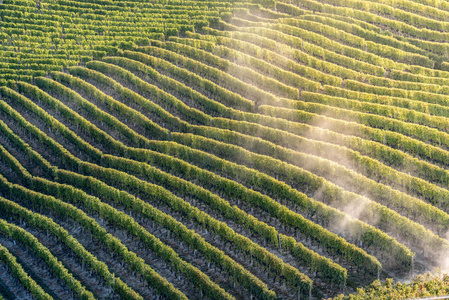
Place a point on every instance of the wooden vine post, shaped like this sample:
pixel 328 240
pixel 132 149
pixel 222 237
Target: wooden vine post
pixel 279 240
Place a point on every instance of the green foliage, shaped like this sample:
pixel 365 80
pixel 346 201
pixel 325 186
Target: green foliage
pixel 18 271
pixel 241 242
pixel 44 30
pixel 426 285
pixel 55 265
pixel 44 223
pixel 325 233
pixel 301 109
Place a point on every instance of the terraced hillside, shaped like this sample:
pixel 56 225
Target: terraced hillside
pixel 220 149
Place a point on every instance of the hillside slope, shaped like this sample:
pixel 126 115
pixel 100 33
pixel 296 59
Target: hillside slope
pixel 221 149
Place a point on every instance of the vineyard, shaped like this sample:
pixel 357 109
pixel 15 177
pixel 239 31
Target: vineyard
pixel 294 149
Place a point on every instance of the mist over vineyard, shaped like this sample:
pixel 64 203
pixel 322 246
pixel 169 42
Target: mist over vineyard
pixel 262 149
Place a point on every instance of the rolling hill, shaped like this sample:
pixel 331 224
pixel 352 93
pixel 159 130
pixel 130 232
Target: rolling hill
pixel 223 150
